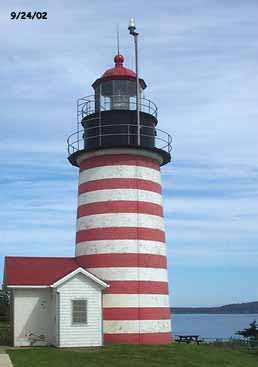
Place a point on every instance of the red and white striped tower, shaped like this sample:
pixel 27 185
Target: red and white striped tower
pixel 120 225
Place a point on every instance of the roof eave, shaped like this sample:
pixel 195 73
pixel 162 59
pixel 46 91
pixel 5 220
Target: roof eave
pixel 78 271
pixel 26 286
pixel 118 77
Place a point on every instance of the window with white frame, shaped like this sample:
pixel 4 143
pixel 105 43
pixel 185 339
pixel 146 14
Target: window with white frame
pixel 79 311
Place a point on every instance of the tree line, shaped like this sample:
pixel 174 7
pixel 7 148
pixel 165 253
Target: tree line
pixel 4 306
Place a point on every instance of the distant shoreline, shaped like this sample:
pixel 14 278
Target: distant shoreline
pixel 236 308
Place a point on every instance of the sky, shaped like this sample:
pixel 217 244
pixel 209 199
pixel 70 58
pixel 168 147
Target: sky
pixel 199 59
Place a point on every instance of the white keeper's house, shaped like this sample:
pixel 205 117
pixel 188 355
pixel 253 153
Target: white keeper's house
pixel 54 302
pixel 115 289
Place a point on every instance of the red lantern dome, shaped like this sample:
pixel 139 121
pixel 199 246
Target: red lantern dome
pixel 118 72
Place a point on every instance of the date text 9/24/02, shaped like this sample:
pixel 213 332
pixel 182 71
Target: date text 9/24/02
pixel 23 15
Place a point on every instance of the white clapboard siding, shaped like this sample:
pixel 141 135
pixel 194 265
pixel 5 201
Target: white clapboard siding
pixel 80 287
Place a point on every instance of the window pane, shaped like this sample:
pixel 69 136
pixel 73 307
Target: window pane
pixel 107 88
pixel 79 312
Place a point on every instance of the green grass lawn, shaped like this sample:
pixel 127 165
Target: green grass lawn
pixel 173 355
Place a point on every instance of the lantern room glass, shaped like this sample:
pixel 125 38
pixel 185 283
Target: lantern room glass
pixel 116 95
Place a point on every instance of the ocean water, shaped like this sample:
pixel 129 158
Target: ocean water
pixel 211 325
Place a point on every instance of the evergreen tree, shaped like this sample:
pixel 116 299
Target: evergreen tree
pixel 252 331
pixel 4 306
pixel 4 299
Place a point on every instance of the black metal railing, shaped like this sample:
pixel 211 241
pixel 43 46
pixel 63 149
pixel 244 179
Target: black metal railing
pixel 98 103
pixel 81 139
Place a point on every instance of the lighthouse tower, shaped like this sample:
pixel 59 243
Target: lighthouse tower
pixel 120 234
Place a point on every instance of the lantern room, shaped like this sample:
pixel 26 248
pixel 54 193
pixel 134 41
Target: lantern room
pixel 109 116
pixel 116 89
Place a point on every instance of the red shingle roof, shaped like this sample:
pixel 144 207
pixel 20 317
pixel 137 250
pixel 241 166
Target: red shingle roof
pixel 37 270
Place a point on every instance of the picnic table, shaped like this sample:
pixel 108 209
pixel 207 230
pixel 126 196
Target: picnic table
pixel 188 339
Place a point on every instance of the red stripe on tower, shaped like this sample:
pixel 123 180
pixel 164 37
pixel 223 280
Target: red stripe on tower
pixel 115 233
pixel 135 313
pixel 119 206
pixel 123 260
pixel 138 338
pixel 136 286
pixel 121 159
pixel 119 183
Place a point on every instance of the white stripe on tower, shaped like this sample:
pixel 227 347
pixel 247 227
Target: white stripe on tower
pixel 131 273
pixel 119 171
pixel 119 194
pixel 121 239
pixel 132 326
pixel 121 246
pixel 120 220
pixel 129 300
